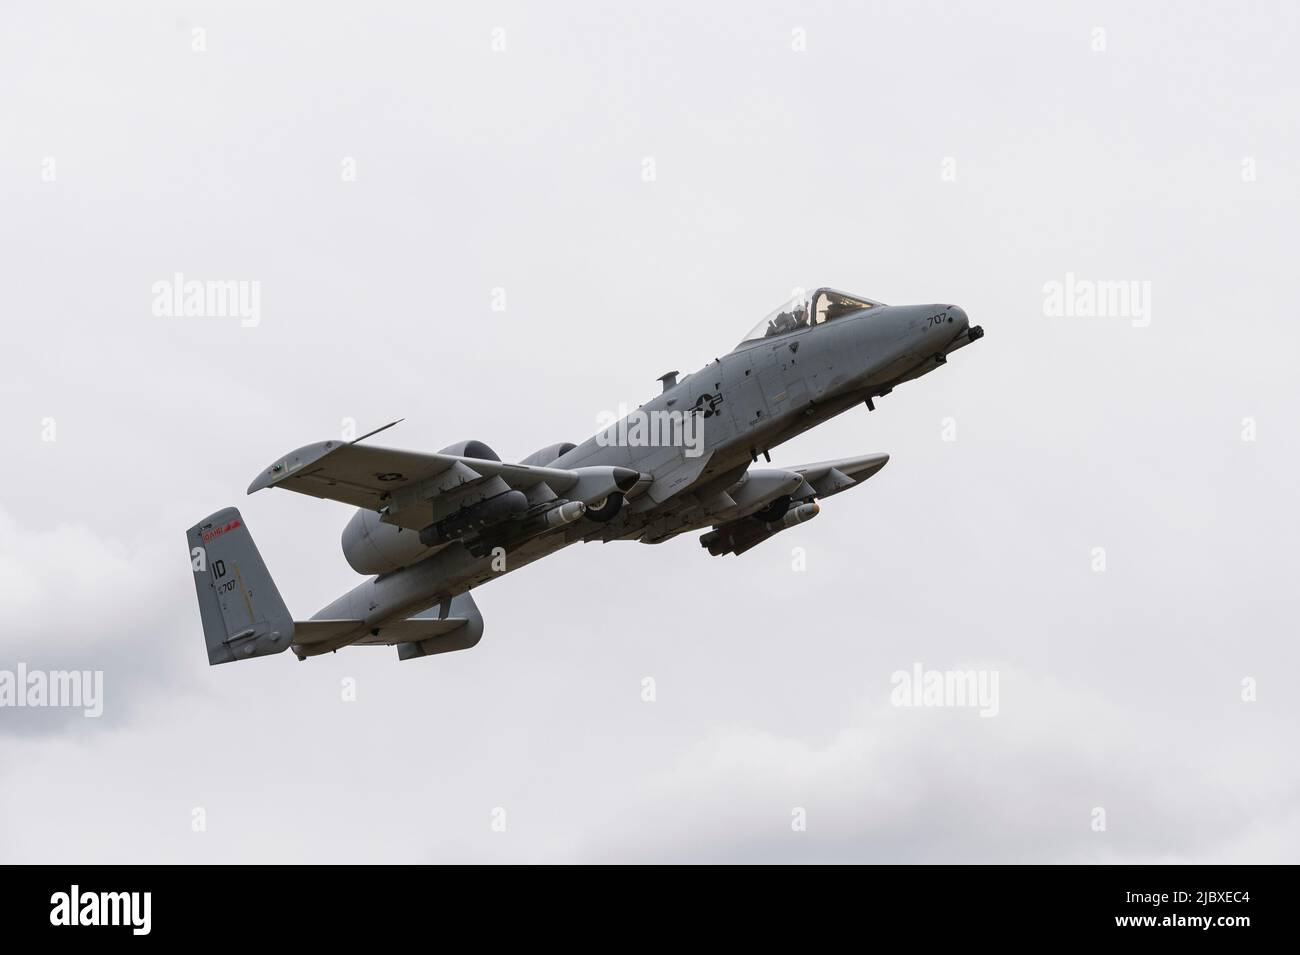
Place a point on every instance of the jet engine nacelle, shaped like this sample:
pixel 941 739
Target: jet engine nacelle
pixel 373 547
pixel 549 454
pixel 471 449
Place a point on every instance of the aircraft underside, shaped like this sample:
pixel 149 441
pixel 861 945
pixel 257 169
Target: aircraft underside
pixel 429 528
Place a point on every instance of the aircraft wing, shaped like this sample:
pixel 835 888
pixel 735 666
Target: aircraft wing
pixel 406 487
pixel 820 480
pixel 830 477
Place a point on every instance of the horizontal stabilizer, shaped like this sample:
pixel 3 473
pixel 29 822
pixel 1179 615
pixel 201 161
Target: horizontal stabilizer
pixel 427 634
pixel 419 636
pixel 308 632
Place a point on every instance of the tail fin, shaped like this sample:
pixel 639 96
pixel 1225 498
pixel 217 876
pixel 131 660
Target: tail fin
pixel 243 614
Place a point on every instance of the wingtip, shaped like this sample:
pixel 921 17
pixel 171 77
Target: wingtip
pixel 265 479
pixel 293 462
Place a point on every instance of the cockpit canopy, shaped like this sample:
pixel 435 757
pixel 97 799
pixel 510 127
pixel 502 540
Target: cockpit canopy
pixel 805 311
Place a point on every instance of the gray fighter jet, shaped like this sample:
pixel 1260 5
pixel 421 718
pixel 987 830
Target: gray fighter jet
pixel 431 527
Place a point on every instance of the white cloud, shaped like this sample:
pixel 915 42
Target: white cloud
pixel 77 600
pixel 943 785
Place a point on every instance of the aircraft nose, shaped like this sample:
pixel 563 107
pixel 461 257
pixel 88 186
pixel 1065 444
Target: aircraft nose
pixel 958 316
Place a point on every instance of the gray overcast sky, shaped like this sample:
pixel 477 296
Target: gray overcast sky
pixel 911 153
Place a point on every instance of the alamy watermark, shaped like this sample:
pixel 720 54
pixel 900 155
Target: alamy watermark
pixel 70 689
pixel 1085 298
pixel 954 688
pixel 639 428
pixel 128 909
pixel 192 298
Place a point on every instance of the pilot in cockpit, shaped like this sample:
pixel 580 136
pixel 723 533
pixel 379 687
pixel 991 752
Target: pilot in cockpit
pixel 784 322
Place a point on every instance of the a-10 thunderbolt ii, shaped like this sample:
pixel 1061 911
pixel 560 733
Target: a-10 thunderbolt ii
pixel 431 527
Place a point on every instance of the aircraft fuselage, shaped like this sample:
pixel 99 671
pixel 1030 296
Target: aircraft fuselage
pixel 763 393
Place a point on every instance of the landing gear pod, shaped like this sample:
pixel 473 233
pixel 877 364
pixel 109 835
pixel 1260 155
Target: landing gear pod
pixel 606 509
